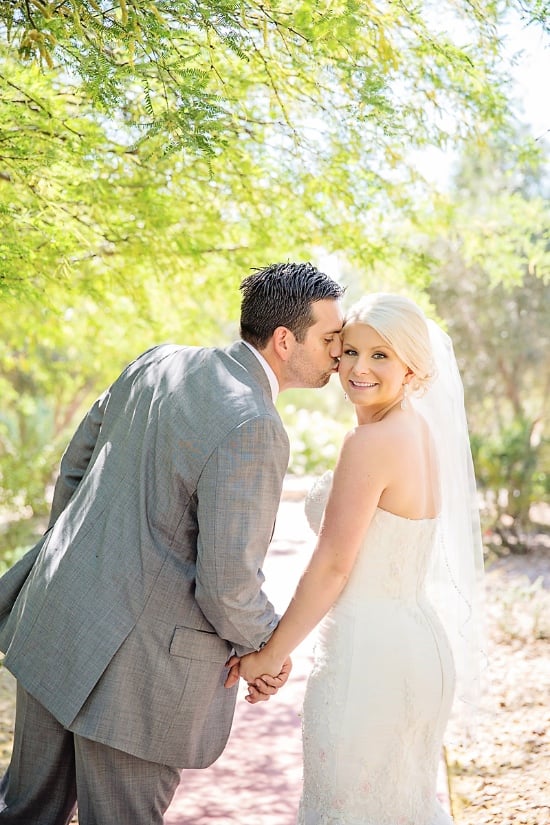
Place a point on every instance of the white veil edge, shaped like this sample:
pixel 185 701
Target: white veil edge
pixel 456 578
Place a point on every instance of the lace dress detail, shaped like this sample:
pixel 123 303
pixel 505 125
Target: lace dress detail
pixel 381 688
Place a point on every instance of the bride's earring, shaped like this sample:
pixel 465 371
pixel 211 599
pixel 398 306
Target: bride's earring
pixel 405 396
pixel 345 396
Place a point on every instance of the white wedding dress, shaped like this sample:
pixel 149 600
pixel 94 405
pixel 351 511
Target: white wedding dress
pixel 380 692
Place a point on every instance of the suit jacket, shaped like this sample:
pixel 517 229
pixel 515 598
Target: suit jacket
pixel 120 620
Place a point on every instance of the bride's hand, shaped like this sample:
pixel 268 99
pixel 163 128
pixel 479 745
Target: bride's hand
pixel 255 665
pixel 261 689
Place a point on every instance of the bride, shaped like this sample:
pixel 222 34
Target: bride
pixel 397 518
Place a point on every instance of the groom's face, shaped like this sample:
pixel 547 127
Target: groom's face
pixel 315 359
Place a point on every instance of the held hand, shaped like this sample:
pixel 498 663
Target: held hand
pixel 254 665
pixel 267 685
pixel 261 689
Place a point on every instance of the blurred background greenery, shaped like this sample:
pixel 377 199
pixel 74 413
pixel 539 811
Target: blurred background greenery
pixel 152 153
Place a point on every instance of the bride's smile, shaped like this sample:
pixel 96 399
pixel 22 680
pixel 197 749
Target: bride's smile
pixel 370 372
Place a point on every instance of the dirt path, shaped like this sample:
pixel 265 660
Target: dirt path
pixel 504 778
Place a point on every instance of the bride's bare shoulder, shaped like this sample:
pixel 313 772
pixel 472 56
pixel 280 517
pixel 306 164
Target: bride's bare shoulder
pixel 386 445
pixel 390 430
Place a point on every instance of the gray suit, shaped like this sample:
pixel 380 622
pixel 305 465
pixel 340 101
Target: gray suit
pixel 119 622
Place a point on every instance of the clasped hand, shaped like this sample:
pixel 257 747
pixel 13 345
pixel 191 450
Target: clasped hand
pixel 256 669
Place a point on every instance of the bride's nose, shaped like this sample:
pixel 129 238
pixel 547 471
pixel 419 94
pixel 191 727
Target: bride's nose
pixel 361 367
pixel 336 348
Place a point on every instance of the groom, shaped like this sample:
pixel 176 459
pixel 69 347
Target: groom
pixel 118 624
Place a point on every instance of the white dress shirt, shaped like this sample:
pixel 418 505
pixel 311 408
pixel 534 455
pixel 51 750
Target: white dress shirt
pixel 271 377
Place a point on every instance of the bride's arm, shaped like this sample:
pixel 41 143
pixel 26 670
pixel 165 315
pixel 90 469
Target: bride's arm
pixel 360 477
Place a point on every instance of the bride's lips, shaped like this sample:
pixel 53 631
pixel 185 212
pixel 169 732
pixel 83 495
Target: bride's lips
pixel 363 384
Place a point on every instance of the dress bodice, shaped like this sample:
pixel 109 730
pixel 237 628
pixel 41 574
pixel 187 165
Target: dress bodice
pixel 394 557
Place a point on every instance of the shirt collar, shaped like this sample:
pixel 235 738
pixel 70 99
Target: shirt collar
pixel 271 377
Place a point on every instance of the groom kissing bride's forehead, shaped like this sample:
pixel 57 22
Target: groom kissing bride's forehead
pixel 119 622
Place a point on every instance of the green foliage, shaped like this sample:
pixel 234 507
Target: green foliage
pixel 314 441
pixel 490 286
pixel 537 12
pixel 185 61
pixel 139 138
pixel 316 422
pixel 152 153
pixel 16 538
pixel 510 471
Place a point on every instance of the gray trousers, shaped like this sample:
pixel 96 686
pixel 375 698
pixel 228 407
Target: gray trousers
pixel 51 769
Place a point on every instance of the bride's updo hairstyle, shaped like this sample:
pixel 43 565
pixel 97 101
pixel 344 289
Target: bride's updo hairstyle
pixel 402 324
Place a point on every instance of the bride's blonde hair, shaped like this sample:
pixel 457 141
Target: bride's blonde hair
pixel 403 326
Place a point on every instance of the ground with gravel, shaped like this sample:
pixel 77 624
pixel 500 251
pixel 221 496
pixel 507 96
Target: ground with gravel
pixel 504 778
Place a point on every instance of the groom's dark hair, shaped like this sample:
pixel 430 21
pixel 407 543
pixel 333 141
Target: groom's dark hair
pixel 281 295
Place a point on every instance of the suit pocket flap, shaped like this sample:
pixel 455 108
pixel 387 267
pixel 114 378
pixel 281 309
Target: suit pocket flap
pixel 200 645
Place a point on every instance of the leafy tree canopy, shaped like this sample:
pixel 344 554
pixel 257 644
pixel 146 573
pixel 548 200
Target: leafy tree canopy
pixel 152 152
pixel 147 138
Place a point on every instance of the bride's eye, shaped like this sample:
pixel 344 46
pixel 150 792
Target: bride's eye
pixel 350 352
pixel 379 355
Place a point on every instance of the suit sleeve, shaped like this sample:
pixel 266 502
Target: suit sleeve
pixel 77 457
pixel 238 497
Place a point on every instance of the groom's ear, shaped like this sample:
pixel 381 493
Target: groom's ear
pixel 283 342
